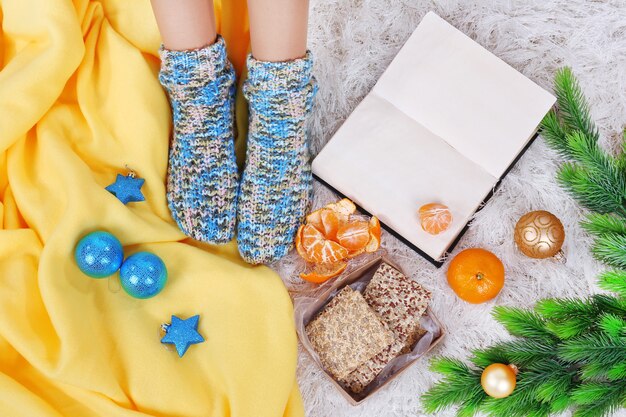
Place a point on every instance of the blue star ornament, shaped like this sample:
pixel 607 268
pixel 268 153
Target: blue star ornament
pixel 182 333
pixel 127 188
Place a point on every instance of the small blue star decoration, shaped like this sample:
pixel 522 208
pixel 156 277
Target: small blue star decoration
pixel 127 188
pixel 182 333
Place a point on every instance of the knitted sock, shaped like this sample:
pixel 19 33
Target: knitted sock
pixel 276 184
pixel 202 173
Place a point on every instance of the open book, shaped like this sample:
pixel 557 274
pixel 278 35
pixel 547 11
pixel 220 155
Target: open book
pixel 443 124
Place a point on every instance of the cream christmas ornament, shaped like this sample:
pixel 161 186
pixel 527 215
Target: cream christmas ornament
pixel 498 380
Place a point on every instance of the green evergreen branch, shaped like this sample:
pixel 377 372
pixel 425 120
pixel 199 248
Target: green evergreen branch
pixel 613 325
pixel 554 134
pixel 572 105
pixel 564 308
pixel 598 399
pixel 460 385
pixel 599 164
pixel 521 352
pixel 617 372
pixel 590 190
pixel 614 281
pixel 610 248
pixel 597 352
pixel 522 323
pixel 598 224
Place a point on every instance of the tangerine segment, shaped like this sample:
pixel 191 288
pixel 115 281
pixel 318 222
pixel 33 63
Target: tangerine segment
pixel 324 272
pixel 315 218
pixel 435 218
pixel 476 275
pixel 299 248
pixel 374 235
pixel 319 249
pixel 330 223
pixel 354 235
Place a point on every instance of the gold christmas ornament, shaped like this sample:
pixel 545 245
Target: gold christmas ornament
pixel 498 380
pixel 540 234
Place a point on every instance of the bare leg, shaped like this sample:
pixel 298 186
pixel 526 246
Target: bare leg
pixel 278 29
pixel 185 24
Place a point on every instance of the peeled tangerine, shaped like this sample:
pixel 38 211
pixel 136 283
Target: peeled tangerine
pixel 331 236
pixel 435 218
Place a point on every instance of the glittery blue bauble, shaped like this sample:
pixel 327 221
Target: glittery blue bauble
pixel 143 275
pixel 99 254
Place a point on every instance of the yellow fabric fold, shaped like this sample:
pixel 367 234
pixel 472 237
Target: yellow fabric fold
pixel 80 101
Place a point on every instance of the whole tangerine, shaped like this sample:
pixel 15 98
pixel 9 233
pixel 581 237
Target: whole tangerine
pixel 476 275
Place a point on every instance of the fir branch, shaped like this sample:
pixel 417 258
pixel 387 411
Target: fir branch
pixel 599 224
pixel 572 105
pixel 522 323
pixel 599 164
pixel 460 385
pixel 553 379
pixel 608 303
pixel 553 132
pixel 589 190
pixel 558 309
pixel 617 372
pixel 598 399
pixel 472 405
pixel 570 328
pixel 570 317
pixel 597 351
pixel 614 281
pixel 493 354
pixel 610 248
pixel 613 325
pixel 449 367
pixel 521 352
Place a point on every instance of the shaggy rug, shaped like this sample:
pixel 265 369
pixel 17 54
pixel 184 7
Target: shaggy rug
pixel 353 42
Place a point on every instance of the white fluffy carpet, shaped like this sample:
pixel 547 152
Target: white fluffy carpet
pixel 354 41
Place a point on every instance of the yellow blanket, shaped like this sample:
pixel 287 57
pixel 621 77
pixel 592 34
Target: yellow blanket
pixel 79 100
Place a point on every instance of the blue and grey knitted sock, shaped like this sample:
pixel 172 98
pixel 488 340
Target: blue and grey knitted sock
pixel 202 178
pixel 276 184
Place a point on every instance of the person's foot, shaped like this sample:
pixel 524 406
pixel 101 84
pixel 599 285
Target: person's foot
pixel 202 177
pixel 276 185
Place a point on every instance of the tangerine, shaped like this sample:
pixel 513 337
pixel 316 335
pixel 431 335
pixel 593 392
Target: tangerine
pixel 476 275
pixel 319 249
pixel 435 218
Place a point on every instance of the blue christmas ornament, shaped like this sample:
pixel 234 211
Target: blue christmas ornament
pixel 99 254
pixel 143 275
pixel 127 188
pixel 182 333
